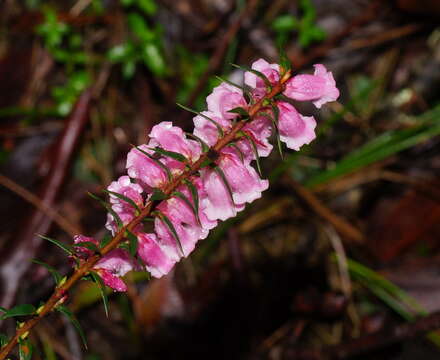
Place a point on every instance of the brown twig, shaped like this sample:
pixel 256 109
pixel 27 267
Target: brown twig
pixel 343 227
pixel 15 261
pixel 219 53
pixel 60 291
pixel 371 342
pixel 63 223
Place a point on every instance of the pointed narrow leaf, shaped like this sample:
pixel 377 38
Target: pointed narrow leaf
pixel 124 198
pixel 194 194
pixel 285 63
pixel 275 119
pixel 225 181
pixel 108 208
pixel 182 196
pixel 217 125
pixel 56 275
pixel 19 310
pixel 105 240
pixel 159 163
pixel 66 311
pixel 256 72
pixel 170 154
pixel 204 145
pixel 25 349
pixel 255 150
pixel 158 195
pixel 240 111
pixel 58 243
pixel 3 340
pixel 97 279
pixel 172 229
pixel 132 242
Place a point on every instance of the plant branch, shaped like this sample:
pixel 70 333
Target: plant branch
pixel 59 295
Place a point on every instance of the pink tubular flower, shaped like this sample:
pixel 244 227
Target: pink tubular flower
pixel 259 130
pixel 155 259
pixel 295 129
pixel 320 87
pixel 112 267
pixel 172 138
pixel 206 129
pixel 125 210
pixel 271 71
pixel 223 98
pixel 83 252
pixel 244 181
pixel 145 170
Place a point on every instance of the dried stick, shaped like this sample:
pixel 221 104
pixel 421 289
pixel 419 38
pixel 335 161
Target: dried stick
pixel 219 53
pixel 58 296
pixel 371 342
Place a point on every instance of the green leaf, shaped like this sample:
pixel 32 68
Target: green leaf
pixel 255 150
pixel 158 195
pixel 58 243
pixel 240 111
pixel 108 208
pixel 132 242
pixel 225 181
pixel 285 23
pixel 153 58
pixel 66 311
pixel 182 196
pixel 160 164
pixel 124 198
pixel 194 194
pixel 147 6
pixel 204 145
pixel 3 340
pixel 267 83
pixel 19 310
pixel 285 63
pixel 105 240
pixel 97 279
pixel 56 275
pixel 172 229
pixel 275 119
pixel 219 128
pixel 25 349
pixel 170 154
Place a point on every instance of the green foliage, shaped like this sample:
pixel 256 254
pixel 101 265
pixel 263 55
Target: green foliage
pixel 66 312
pixel 55 274
pixel 19 310
pixel 191 67
pixel 102 290
pixel 67 94
pixel 66 47
pixel 25 349
pixel 386 144
pixel 58 243
pixel 308 32
pixel 145 45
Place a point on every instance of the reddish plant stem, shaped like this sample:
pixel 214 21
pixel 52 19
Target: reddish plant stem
pixel 60 292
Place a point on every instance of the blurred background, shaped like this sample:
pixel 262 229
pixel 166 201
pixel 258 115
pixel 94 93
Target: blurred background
pixel 345 243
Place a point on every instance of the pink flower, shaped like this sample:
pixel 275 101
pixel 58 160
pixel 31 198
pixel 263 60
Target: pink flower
pixel 207 130
pixel 145 170
pixel 271 71
pixel 320 87
pixel 172 138
pixel 112 267
pixel 242 178
pixel 82 251
pixel 155 259
pixel 295 129
pixel 125 210
pixel 259 130
pixel 223 98
pixel 217 204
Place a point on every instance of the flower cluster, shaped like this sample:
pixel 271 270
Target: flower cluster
pixel 216 191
